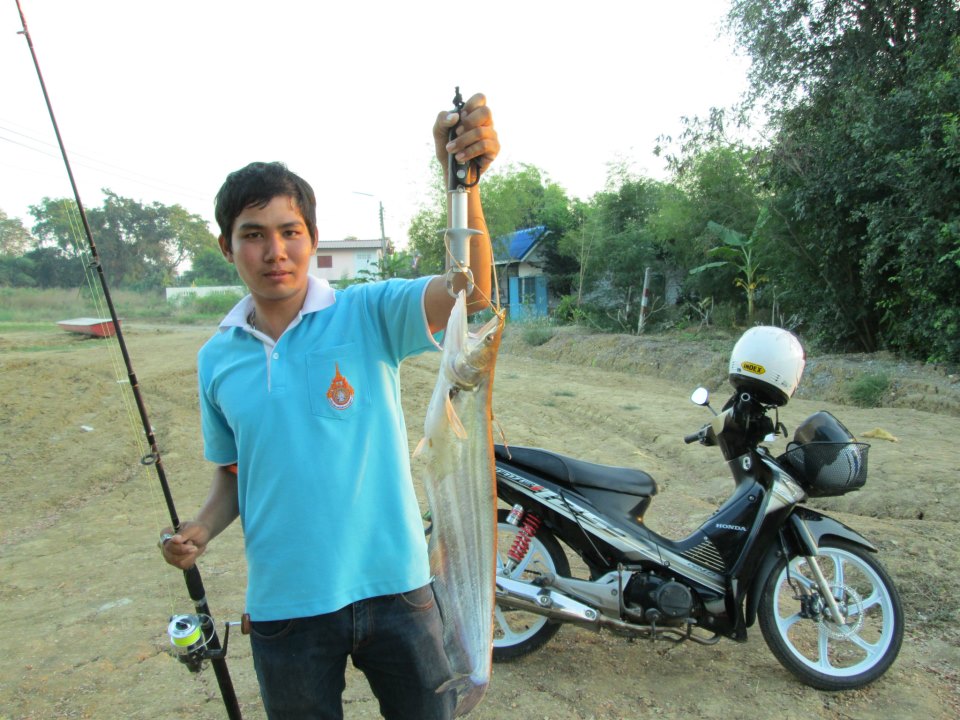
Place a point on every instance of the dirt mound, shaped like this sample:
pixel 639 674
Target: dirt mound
pixel 701 359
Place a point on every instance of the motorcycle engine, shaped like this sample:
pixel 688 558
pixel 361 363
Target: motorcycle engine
pixel 660 600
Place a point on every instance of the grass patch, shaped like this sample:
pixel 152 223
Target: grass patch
pixel 29 305
pixel 564 393
pixel 536 334
pixel 867 391
pixel 24 309
pixel 9 327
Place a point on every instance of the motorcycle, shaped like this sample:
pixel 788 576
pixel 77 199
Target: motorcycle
pixel 827 608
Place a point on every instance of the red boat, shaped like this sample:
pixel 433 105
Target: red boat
pixel 97 327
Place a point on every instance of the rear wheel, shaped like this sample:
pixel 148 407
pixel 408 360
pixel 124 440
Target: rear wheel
pixel 797 625
pixel 517 632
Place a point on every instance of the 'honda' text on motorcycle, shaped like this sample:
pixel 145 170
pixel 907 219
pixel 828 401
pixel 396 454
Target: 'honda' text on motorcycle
pixel 827 608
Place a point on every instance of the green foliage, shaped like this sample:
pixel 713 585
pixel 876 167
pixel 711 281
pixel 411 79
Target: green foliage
pixel 218 304
pixel 15 239
pixel 740 252
pixel 867 390
pixel 537 333
pixel 613 243
pixel 140 246
pixel 568 311
pixel 52 304
pixel 864 165
pixel 48 305
pixel 398 264
pixel 16 271
pixel 426 228
pixel 514 198
pixel 209 267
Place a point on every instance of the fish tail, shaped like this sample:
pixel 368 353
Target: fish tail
pixel 469 693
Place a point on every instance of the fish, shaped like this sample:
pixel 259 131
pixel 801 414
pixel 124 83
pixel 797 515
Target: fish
pixel 460 484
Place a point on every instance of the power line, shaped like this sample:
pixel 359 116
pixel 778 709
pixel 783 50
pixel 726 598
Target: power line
pixel 105 167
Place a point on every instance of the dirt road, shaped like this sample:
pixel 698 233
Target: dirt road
pixel 86 597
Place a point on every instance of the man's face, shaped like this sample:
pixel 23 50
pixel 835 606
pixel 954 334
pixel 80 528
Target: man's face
pixel 272 250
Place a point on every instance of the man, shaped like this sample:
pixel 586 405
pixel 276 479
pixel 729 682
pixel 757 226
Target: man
pixel 300 410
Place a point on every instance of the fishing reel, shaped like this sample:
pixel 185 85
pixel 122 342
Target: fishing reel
pixel 194 638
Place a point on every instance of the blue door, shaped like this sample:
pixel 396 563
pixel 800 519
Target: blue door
pixel 528 297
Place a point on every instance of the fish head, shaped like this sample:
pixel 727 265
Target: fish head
pixel 468 356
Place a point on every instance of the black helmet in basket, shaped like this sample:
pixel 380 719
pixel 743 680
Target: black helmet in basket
pixel 826 457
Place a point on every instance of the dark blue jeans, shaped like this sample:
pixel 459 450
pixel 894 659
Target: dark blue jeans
pixel 395 640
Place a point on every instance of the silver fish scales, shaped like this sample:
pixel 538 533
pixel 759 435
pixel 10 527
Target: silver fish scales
pixel 457 449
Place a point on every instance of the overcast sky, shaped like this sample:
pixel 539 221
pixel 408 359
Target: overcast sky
pixel 158 101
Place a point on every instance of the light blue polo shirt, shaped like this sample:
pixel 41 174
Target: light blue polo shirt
pixel 315 425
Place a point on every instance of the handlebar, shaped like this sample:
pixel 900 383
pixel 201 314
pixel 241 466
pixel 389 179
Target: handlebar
pixel 743 425
pixel 704 436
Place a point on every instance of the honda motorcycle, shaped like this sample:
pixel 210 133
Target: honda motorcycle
pixel 827 608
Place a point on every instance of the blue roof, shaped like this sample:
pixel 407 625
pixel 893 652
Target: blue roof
pixel 517 245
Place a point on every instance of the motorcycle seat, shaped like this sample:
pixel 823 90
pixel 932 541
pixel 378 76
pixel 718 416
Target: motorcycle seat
pixel 574 473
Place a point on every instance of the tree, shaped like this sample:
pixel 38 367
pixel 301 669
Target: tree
pixel 209 267
pixel 140 246
pixel 613 241
pixel 514 198
pixel 863 165
pixel 426 227
pixel 15 239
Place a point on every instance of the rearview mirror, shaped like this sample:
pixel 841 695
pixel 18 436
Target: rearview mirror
pixel 700 396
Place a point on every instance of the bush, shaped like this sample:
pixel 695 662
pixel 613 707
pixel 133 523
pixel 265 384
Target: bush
pixel 867 391
pixel 568 311
pixel 216 304
pixel 535 332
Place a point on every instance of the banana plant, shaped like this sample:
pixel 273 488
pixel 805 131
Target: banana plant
pixel 740 251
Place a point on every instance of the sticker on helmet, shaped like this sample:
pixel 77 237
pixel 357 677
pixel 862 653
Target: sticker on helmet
pixel 753 368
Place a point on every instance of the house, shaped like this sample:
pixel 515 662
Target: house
pixel 519 262
pixel 344 259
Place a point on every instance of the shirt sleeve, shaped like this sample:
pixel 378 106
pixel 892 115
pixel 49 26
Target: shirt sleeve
pixel 219 443
pixel 397 307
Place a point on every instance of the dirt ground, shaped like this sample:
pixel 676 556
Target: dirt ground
pixel 86 597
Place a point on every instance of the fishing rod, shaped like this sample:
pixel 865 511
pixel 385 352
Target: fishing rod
pixel 457 235
pixel 194 637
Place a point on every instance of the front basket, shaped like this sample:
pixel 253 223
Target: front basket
pixel 828 468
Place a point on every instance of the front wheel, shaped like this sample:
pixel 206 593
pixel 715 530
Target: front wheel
pixel 517 632
pixel 799 630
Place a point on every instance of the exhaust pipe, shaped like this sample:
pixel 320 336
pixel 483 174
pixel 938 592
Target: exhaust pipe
pixel 515 595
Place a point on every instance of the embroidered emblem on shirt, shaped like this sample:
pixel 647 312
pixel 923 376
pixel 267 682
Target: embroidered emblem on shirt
pixel 340 393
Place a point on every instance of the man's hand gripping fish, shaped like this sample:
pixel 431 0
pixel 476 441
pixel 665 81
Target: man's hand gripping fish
pixel 461 488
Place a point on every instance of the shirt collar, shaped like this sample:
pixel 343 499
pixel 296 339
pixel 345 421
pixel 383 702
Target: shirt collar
pixel 319 297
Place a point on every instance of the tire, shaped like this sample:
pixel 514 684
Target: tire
pixel 808 643
pixel 516 632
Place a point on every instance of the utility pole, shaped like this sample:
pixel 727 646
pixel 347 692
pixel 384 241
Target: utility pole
pixel 383 235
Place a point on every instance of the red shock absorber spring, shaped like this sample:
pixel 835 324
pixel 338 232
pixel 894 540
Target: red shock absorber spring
pixel 525 533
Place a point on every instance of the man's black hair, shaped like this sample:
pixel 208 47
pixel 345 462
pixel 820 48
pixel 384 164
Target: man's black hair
pixel 255 186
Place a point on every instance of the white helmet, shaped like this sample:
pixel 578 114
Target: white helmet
pixel 767 362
